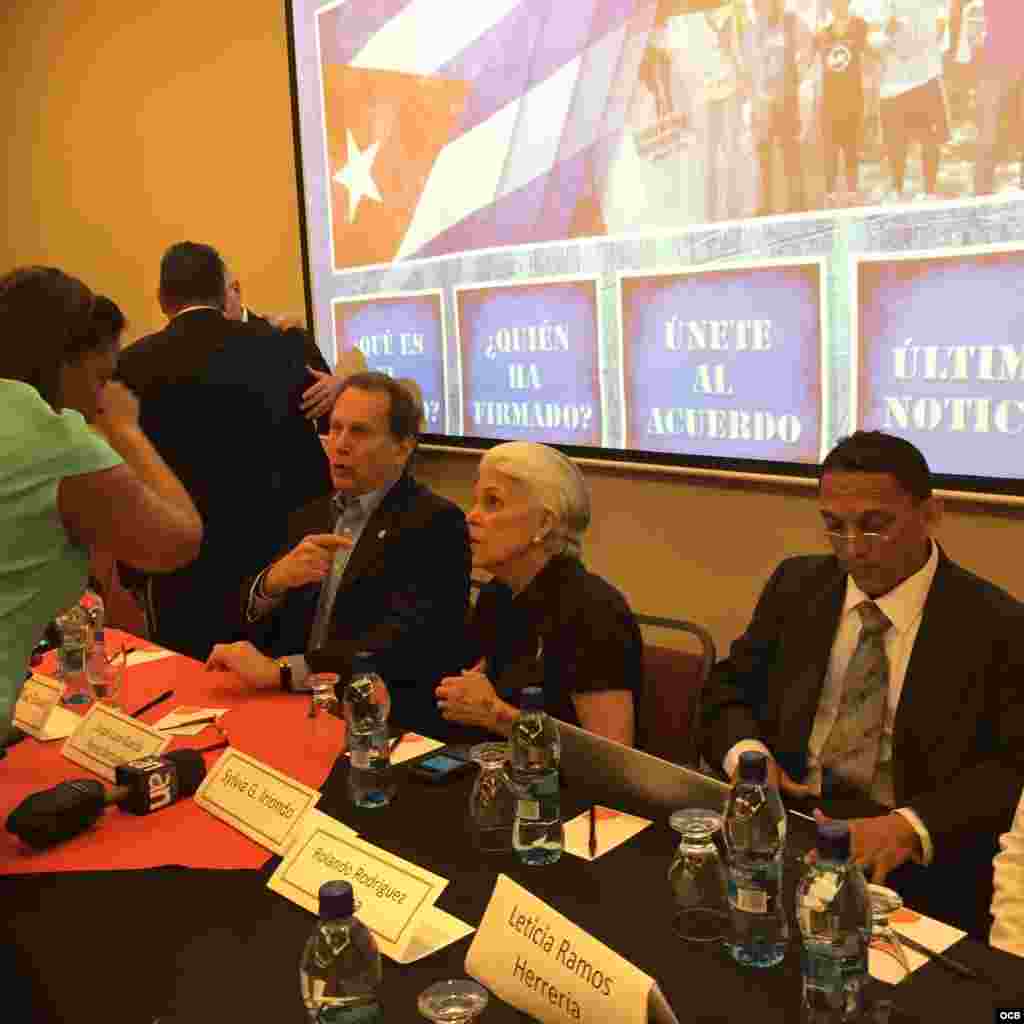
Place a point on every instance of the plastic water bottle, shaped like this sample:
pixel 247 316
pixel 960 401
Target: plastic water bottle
pixel 340 972
pixel 755 836
pixel 537 833
pixel 834 913
pixel 77 628
pixel 366 706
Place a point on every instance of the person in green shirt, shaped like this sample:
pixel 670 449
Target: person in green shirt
pixel 67 484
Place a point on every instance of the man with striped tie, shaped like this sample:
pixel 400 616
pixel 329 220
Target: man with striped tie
pixel 886 676
pixel 381 566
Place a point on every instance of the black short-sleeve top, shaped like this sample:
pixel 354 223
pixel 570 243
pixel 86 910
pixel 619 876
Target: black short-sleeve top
pixel 568 631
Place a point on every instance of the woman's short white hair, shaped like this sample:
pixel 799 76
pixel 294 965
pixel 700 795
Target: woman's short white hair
pixel 553 482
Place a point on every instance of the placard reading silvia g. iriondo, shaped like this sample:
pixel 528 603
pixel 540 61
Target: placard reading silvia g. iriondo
pixel 261 802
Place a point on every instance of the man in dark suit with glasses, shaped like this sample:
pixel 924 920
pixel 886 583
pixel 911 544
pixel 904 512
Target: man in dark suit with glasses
pixel 886 675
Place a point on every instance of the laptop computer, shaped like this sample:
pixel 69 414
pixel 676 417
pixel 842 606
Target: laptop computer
pixel 635 773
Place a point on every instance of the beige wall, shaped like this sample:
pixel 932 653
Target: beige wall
pixel 702 549
pixel 138 125
pixel 126 132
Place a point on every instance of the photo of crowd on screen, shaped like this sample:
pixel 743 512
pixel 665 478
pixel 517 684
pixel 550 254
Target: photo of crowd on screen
pixel 754 107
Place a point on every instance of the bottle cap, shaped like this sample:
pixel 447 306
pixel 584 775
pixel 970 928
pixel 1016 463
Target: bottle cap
pixel 532 699
pixel 336 900
pixel 834 840
pixel 753 766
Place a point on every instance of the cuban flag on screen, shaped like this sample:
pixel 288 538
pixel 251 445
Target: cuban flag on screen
pixel 466 124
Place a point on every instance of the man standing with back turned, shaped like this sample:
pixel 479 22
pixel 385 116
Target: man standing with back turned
pixel 221 401
pixel 886 675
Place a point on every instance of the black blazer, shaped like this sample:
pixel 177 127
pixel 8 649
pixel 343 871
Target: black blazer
pixel 958 735
pixel 404 597
pixel 311 353
pixel 219 400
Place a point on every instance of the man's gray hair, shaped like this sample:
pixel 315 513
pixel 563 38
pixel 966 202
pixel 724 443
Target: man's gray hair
pixel 553 482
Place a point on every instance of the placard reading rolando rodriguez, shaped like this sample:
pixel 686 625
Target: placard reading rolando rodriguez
pixel 530 356
pixel 725 362
pixel 401 335
pixel 940 356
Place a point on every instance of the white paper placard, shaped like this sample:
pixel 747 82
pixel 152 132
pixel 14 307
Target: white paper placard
pixel 531 956
pixel 39 696
pixel 259 801
pixel 60 724
pixel 107 738
pixel 395 898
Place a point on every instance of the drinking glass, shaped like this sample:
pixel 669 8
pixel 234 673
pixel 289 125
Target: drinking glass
pixel 697 877
pixel 890 959
pixel 455 1001
pixel 491 804
pixel 325 713
pixel 105 684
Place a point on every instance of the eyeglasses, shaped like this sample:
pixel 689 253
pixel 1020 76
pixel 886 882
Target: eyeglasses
pixel 840 537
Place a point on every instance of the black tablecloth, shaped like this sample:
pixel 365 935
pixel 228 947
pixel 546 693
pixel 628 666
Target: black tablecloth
pixel 183 945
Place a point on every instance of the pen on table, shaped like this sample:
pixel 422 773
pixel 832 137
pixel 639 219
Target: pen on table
pixel 954 965
pixel 191 721
pixel 166 695
pixel 593 831
pixel 394 743
pixel 806 817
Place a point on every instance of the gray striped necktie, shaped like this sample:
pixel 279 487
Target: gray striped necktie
pixel 348 512
pixel 853 745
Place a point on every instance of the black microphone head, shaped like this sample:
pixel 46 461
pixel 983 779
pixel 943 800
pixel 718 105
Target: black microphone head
pixel 191 770
pixel 43 819
pixel 149 783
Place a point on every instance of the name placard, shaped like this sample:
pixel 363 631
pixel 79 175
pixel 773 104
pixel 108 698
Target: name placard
pixel 395 898
pixel 259 801
pixel 107 738
pixel 39 696
pixel 543 964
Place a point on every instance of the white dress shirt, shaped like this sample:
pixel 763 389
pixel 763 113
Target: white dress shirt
pixel 903 606
pixel 1008 883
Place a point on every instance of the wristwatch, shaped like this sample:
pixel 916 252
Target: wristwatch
pixel 285 668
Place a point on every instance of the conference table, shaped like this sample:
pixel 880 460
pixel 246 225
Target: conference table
pixel 159 941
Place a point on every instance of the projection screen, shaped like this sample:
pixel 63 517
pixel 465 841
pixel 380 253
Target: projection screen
pixel 686 232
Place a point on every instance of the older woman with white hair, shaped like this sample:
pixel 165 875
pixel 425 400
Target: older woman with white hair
pixel 543 620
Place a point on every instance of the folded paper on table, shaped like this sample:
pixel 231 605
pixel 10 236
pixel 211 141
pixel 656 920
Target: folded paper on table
pixel 187 713
pixel 141 657
pixel 931 933
pixel 613 828
pixel 531 956
pixel 412 745
pixel 259 801
pixel 395 898
pixel 106 738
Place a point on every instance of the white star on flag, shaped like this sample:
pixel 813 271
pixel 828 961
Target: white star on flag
pixel 356 175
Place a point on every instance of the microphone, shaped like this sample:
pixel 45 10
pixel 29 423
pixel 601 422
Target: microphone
pixel 143 786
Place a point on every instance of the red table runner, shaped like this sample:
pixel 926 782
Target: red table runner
pixel 269 725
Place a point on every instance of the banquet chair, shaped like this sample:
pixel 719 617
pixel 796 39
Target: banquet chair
pixel 674 677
